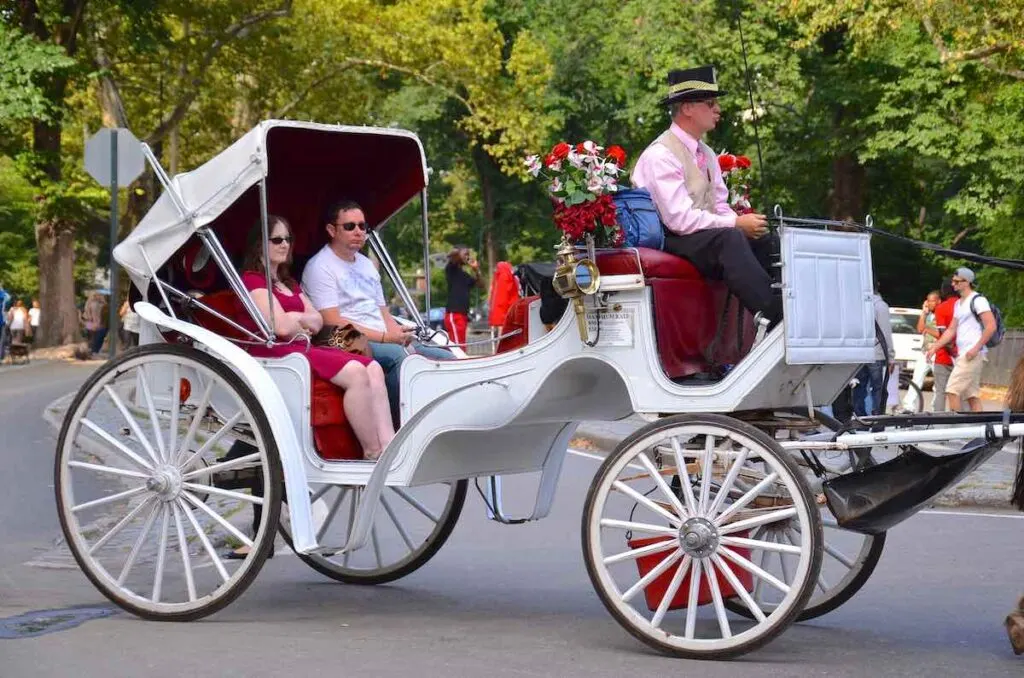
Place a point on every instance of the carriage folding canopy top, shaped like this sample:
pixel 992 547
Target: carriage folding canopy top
pixel 307 166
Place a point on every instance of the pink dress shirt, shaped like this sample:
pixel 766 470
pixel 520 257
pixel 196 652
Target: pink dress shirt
pixel 659 172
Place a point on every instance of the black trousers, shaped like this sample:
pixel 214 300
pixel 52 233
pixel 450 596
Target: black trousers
pixel 744 265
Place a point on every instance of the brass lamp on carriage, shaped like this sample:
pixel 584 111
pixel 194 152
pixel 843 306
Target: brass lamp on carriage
pixel 575 278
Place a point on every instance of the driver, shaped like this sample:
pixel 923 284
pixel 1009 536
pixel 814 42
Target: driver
pixel 682 174
pixel 345 287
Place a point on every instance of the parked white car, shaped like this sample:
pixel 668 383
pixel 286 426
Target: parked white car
pixel 905 336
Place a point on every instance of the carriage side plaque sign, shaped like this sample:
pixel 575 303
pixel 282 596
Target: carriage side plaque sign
pixel 615 327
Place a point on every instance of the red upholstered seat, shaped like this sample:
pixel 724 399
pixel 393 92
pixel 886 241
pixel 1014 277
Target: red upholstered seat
pixel 517 318
pixel 687 311
pixel 332 435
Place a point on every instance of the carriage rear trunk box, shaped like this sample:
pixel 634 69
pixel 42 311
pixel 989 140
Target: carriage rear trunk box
pixel 655 591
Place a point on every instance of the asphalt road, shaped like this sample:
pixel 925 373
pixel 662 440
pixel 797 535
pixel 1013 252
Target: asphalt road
pixel 496 601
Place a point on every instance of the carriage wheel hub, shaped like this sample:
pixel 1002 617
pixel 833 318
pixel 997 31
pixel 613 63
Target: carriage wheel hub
pixel 698 537
pixel 166 482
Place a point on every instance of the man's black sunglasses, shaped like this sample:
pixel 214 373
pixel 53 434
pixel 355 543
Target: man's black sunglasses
pixel 278 239
pixel 351 226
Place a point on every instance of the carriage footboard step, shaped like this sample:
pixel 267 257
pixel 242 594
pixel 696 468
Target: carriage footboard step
pixel 874 499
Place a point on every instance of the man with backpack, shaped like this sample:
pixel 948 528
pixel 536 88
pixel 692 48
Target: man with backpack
pixel 976 326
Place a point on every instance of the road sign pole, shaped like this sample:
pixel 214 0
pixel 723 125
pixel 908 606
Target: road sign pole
pixel 114 307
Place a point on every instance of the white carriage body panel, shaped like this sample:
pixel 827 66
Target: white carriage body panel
pixel 827 291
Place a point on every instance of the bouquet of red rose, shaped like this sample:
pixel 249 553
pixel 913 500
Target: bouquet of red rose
pixel 736 174
pixel 580 180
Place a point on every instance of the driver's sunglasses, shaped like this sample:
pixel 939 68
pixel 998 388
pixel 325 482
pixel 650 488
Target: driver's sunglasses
pixel 956 280
pixel 278 239
pixel 351 226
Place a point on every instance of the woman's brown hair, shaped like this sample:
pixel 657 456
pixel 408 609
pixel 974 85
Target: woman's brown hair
pixel 254 251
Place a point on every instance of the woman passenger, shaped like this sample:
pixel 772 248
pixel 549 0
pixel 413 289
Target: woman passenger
pixel 366 399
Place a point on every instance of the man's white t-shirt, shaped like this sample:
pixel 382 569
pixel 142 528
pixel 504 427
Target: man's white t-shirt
pixel 353 287
pixel 968 329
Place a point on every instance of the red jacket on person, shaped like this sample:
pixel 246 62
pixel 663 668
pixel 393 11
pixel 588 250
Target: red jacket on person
pixel 504 293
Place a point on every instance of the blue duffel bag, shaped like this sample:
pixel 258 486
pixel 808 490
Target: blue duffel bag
pixel 638 218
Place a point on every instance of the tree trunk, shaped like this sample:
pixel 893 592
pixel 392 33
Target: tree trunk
pixel 484 169
pixel 846 200
pixel 58 323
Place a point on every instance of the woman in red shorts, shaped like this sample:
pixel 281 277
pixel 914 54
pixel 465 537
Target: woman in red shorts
pixel 366 398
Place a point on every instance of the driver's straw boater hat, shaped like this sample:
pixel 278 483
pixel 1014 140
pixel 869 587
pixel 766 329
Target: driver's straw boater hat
pixel 692 84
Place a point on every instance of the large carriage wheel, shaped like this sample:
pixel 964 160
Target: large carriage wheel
pixel 850 557
pixel 669 531
pixel 410 526
pixel 148 498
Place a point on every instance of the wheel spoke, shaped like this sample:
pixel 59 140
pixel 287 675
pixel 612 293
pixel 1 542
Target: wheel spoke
pixel 116 529
pixel 746 498
pixel 204 539
pixel 320 493
pixel 705 473
pixel 762 519
pixel 668 561
pixel 161 554
pixel 234 531
pixel 137 546
pixel 684 477
pixel 730 479
pixel 110 499
pixel 738 587
pixel 639 527
pixel 671 591
pixel 758 544
pixel 662 485
pixel 351 523
pixel 230 494
pixel 376 546
pixel 342 491
pixel 228 465
pixel 754 569
pixel 716 597
pixel 691 601
pixel 193 427
pixel 143 381
pixel 839 555
pixel 782 560
pixel 213 440
pixel 172 435
pixel 641 499
pixel 112 470
pixel 117 445
pixel 416 504
pixel 632 554
pixel 398 525
pixel 132 423
pixel 186 560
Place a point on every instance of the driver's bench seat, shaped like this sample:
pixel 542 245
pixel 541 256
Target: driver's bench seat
pixel 688 310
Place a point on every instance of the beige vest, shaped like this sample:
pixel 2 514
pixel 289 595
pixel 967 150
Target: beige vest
pixel 698 183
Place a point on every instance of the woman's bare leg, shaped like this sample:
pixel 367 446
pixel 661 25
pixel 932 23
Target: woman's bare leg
pixel 381 407
pixel 359 406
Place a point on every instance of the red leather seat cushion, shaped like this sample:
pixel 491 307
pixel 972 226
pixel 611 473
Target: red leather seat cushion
pixel 332 435
pixel 687 310
pixel 654 264
pixel 226 303
pixel 517 318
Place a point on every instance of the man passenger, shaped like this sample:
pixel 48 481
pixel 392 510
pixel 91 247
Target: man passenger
pixel 345 287
pixel 682 174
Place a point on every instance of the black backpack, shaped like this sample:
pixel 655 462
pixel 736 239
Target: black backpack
pixel 997 336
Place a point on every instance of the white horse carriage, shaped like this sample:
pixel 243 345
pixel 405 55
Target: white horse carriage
pixel 705 533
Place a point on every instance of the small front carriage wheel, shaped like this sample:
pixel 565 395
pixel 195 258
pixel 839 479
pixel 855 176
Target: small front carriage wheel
pixel 670 533
pixel 149 498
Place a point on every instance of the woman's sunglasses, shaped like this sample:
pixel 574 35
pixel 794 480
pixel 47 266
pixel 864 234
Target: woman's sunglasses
pixel 352 225
pixel 278 239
